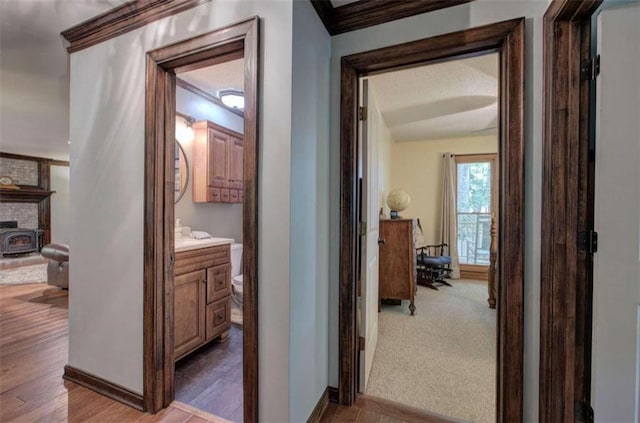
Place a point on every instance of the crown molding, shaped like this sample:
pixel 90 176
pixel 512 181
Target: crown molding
pixel 366 13
pixel 206 96
pixel 122 19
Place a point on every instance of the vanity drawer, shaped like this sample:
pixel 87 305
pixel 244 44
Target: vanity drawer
pixel 218 282
pixel 214 195
pixel 224 193
pixel 218 318
pixel 202 258
pixel 233 195
pixel 240 196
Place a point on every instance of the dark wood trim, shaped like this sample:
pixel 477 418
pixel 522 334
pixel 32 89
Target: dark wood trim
pixel 122 19
pixel 401 412
pixel 59 163
pixel 103 387
pixel 507 38
pixel 566 278
pixel 320 407
pixel 24 195
pixel 366 13
pixel 334 394
pixel 23 157
pixel 205 95
pixel 159 208
pixel 325 11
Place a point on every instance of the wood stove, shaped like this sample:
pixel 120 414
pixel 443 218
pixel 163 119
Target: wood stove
pixel 14 240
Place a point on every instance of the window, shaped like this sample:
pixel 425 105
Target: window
pixel 475 176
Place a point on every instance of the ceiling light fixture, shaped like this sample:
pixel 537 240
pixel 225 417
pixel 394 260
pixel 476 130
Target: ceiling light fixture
pixel 184 133
pixel 232 98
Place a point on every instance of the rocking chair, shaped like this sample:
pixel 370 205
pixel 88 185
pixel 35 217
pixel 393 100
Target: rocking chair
pixel 433 264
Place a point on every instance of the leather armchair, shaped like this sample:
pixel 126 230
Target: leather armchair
pixel 58 268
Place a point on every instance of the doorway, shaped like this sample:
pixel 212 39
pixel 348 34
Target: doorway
pixel 507 39
pixel 239 41
pixel 429 134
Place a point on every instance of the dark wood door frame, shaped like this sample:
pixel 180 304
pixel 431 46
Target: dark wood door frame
pixel 508 39
pixel 239 40
pixel 566 279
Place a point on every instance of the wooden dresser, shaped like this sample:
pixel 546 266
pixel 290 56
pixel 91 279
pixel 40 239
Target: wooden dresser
pixel 202 297
pixel 397 272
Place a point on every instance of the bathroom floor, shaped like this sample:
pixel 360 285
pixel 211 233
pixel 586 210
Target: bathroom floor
pixel 210 379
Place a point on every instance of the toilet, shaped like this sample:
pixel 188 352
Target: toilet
pixel 236 283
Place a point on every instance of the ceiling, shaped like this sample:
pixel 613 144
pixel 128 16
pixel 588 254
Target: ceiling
pixel 218 77
pixel 34 73
pixel 453 99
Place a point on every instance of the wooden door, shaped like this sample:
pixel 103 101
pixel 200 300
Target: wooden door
pixel 369 242
pixel 235 161
pixel 616 283
pixel 189 312
pixel 218 166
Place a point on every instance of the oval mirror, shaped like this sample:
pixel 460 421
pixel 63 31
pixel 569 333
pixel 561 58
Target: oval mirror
pixel 182 172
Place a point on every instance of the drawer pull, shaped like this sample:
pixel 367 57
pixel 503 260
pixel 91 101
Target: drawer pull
pixel 219 316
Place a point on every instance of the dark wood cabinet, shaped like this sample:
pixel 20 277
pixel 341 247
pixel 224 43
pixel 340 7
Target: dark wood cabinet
pixel 397 271
pixel 217 164
pixel 202 298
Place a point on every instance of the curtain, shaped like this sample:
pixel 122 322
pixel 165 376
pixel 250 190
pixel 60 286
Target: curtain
pixel 448 215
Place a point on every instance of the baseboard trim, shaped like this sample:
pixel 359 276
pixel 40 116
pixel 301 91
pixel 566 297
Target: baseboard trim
pixel 320 407
pixel 103 387
pixel 334 394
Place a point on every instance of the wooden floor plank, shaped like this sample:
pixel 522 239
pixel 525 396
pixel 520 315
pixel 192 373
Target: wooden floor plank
pixel 33 351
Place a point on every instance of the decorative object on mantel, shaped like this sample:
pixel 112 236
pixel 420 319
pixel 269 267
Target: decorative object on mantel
pixel 7 182
pixel 398 200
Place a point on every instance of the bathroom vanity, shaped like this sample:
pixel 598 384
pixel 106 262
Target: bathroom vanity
pixel 202 293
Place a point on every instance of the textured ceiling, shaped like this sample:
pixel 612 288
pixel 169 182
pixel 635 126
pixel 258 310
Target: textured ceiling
pixel 218 77
pixel 34 73
pixel 453 99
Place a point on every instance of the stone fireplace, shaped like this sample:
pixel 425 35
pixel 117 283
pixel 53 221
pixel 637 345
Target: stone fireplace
pixel 15 240
pixel 29 205
pixel 26 214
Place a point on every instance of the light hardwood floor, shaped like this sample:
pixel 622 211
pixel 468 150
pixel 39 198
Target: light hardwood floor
pixel 33 352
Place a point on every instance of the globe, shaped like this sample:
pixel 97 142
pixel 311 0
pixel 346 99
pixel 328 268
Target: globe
pixel 398 200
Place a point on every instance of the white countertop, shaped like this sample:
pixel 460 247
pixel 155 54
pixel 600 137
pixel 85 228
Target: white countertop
pixel 186 244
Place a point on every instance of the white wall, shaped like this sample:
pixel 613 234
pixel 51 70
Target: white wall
pixel 219 219
pixel 476 13
pixel 60 204
pixel 107 192
pixel 309 249
pixel 416 167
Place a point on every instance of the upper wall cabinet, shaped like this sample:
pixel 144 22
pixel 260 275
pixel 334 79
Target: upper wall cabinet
pixel 217 164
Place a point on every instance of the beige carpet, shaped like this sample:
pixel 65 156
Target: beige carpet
pixel 443 358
